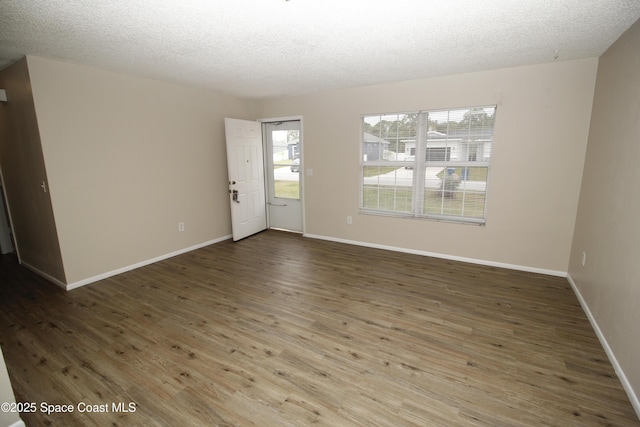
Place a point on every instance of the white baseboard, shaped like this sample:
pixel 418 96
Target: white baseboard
pixel 443 256
pixel 108 274
pixel 635 402
pixel 17 424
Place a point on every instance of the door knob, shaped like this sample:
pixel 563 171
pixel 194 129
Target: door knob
pixel 235 196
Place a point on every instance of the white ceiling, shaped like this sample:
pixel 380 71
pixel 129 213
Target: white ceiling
pixel 268 48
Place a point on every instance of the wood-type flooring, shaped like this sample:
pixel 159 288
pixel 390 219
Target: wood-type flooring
pixel 282 330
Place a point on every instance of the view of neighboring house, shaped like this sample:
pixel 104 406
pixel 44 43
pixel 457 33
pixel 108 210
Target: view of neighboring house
pixel 283 150
pixel 375 148
pixel 456 146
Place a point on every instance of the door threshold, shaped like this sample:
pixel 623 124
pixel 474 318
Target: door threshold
pixel 285 230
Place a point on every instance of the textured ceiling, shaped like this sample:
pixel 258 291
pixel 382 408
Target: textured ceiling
pixel 267 48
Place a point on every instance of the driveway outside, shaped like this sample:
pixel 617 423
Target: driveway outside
pixel 404 177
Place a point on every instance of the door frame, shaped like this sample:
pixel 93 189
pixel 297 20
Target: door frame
pixel 302 163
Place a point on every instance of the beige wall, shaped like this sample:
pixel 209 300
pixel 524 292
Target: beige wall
pixel 23 172
pixel 608 222
pixel 127 159
pixel 540 140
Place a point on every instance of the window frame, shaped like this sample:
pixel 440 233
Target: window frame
pixel 420 163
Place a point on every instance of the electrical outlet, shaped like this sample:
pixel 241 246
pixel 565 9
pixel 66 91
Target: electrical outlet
pixel 584 258
pixel 181 226
pixel 349 220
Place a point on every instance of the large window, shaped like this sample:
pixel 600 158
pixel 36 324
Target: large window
pixel 428 164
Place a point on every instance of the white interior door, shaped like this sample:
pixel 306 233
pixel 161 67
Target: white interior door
pixel 246 177
pixel 284 166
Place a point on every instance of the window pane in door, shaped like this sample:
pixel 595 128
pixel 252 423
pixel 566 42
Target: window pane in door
pixel 286 164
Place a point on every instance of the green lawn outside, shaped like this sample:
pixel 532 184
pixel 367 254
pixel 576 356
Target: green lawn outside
pixel 468 204
pixel 475 173
pixel 398 199
pixel 287 189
